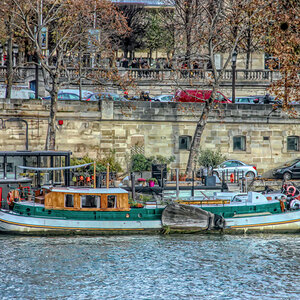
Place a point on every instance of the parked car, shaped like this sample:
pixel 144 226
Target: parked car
pixel 164 98
pixel 18 93
pixel 199 96
pixel 235 166
pixel 64 96
pixel 84 93
pixel 289 170
pixel 245 100
pixel 70 94
pixel 261 99
pixel 105 96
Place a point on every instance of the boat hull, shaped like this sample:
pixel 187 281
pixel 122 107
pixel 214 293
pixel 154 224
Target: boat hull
pixel 14 223
pixel 287 222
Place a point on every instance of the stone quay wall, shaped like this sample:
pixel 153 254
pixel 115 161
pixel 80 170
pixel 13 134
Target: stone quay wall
pixel 153 128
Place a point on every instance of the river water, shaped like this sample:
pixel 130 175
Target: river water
pixel 151 267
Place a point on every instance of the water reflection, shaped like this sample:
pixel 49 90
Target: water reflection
pixel 150 267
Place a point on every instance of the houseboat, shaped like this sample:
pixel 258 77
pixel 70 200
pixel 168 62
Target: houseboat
pixel 78 210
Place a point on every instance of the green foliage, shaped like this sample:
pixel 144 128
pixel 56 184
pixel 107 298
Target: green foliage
pixel 156 34
pixel 140 163
pixel 152 179
pixel 209 158
pixel 159 159
pixel 101 164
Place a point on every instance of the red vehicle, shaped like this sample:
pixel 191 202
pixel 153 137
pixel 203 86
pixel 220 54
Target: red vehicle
pixel 199 96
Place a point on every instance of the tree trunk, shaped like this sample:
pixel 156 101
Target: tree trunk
pixel 51 137
pixel 248 54
pixel 191 165
pixel 9 70
pixel 188 35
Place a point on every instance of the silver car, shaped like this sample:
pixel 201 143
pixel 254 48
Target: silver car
pixel 235 167
pixel 164 98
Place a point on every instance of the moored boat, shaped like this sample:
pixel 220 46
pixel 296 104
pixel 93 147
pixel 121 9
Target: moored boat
pixel 78 210
pixel 63 210
pixel 253 212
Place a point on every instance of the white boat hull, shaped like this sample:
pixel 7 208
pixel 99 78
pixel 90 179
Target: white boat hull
pixel 284 222
pixel 13 223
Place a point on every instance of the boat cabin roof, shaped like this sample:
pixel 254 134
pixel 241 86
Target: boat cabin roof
pixel 81 190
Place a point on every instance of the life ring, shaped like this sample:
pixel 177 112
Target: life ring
pixel 291 190
pixel 10 198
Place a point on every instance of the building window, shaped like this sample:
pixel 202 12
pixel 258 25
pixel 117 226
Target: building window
pixel 90 201
pixel 69 200
pixel 292 143
pixel 239 143
pixel 185 142
pixel 111 201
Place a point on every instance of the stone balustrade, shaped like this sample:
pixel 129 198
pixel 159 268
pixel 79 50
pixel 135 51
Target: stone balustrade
pixel 152 75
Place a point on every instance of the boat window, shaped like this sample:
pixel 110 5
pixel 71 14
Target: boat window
pixel 90 201
pixel 69 200
pixel 111 201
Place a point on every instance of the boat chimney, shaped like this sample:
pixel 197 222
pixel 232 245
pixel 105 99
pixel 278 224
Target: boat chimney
pixel 94 174
pixel 107 176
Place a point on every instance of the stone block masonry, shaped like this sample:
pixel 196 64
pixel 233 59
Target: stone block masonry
pixel 152 127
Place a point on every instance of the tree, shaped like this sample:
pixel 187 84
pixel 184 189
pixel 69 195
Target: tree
pixel 158 35
pixel 68 24
pixel 7 17
pixel 135 16
pixel 218 27
pixel 282 25
pixel 210 158
pixel 186 19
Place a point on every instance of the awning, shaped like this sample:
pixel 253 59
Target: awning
pixel 54 169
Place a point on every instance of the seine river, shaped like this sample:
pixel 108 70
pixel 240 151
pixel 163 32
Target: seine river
pixel 151 267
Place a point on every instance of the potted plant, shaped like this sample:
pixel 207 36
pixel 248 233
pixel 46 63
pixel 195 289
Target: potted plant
pixel 142 181
pixel 152 181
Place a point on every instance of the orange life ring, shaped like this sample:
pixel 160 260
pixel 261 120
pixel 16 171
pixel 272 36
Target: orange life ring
pixel 10 198
pixel 291 193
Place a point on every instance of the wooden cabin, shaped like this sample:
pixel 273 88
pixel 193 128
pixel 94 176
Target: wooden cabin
pixel 85 199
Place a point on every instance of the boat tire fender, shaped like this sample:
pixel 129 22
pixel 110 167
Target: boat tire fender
pixel 282 206
pixel 295 204
pixel 10 198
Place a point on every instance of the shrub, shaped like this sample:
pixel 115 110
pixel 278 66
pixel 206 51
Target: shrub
pixel 140 163
pixel 101 164
pixel 209 158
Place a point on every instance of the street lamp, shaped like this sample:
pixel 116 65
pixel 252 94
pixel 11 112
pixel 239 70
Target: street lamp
pixel 1 52
pixel 233 60
pixel 15 50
